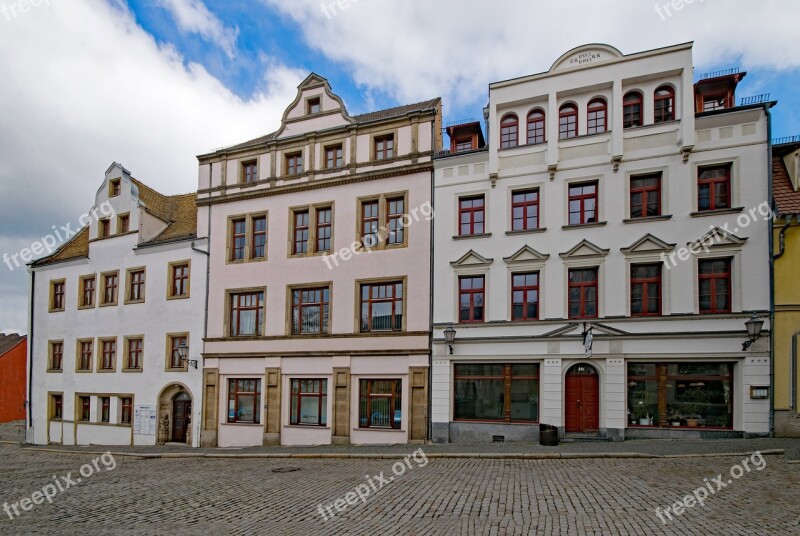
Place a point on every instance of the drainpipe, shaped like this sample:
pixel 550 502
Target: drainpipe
pixel 30 354
pixel 793 382
pixel 205 323
pixel 430 279
pixel 771 278
pixel 782 235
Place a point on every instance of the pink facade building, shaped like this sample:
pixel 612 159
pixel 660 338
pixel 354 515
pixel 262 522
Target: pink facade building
pixel 319 290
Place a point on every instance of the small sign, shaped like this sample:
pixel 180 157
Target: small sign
pixel 144 420
pixel 759 393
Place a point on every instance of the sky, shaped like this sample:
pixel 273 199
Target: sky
pixel 153 83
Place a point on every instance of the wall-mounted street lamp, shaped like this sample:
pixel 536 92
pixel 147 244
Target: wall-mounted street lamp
pixel 450 337
pixel 754 326
pixel 183 354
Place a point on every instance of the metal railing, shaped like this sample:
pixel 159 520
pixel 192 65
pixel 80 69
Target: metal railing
pixel 786 139
pixel 717 74
pixel 755 99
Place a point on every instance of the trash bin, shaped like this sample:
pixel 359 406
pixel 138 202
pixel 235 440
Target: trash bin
pixel 548 435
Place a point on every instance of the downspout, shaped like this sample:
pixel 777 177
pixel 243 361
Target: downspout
pixel 793 382
pixel 205 321
pixel 30 354
pixel 771 201
pixel 782 235
pixel 430 280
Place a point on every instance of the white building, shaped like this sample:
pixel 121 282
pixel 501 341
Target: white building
pixel 544 234
pixel 110 311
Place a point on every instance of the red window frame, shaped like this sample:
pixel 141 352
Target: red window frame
pixel 597 116
pixel 536 127
pixel 384 147
pixel 135 349
pixel 664 104
pixel 110 294
pixel 242 302
pixel 463 145
pixel 86 408
pixel 58 406
pixel 712 279
pixel 367 396
pixel 524 206
pixel 137 285
pixel 378 294
pixel 301 219
pixel 315 299
pixel 583 288
pixel 87 352
pixel 324 228
pixel 175 341
pixel 582 197
pixel 294 164
pixel 109 353
pixel 250 172
pixel 475 298
pixel 522 286
pixel 711 184
pixel 509 131
pixel 56 356
pixel 127 406
pixel 334 157
pixel 466 373
pixel 567 121
pixel 395 211
pixel 244 387
pixel 645 282
pixel 299 391
pixel 632 109
pixel 472 215
pixel 259 247
pixel 644 192
pixel 105 409
pixel 370 223
pixel 58 295
pixel 238 238
pixel 180 279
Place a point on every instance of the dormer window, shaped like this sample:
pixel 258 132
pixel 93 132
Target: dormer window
pixel 103 228
pixel 113 188
pixel 714 102
pixel 463 144
pixel 313 106
pixel 123 224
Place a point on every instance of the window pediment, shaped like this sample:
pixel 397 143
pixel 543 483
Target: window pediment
pixel 585 250
pixel 648 244
pixel 472 259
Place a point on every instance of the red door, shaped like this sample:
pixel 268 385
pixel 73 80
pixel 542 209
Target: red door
pixel 582 399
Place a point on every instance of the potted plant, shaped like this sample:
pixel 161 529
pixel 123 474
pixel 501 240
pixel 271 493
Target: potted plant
pixel 695 401
pixel 674 418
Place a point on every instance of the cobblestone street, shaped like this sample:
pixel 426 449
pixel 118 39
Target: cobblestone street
pixel 443 496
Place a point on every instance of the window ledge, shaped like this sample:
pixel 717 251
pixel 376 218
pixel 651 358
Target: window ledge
pixel 55 310
pixel 306 427
pixel 114 304
pixel 182 297
pixel 526 231
pixel 466 237
pixel 250 424
pixel 718 212
pixel 85 307
pixel 585 225
pixel 132 302
pixel 186 369
pixel 648 219
pixel 132 370
pixel 55 371
pixel 395 430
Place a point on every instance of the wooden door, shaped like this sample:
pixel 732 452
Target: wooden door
pixel 181 411
pixel 582 399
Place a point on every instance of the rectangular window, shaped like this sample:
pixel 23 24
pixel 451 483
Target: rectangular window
pixel 86 352
pixel 384 147
pixel 104 228
pixel 57 295
pixel 313 106
pixel 382 307
pixel 244 401
pixel 525 210
pixel 471 294
pixel 301 221
pixel 395 212
pixel 238 239
pixel 334 157
pixel 324 228
pixel 135 354
pixel 583 293
pixel 309 402
pixel 471 211
pixel 249 172
pixel 693 395
pixel 525 296
pixel 58 406
pixel 646 290
pixel 715 286
pixel 259 238
pixel 310 311
pixel 56 355
pixel 175 342
pixel 179 275
pixel 85 408
pixel 109 355
pixel 294 164
pixel 501 392
pixel 136 286
pixel 113 188
pixel 464 144
pixel 380 404
pixel 87 291
pixel 247 314
pixel 714 102
pixel 370 223
pixel 105 409
pixel 583 203
pixel 127 410
pixel 714 187
pixel 646 196
pixel 123 224
pixel 110 285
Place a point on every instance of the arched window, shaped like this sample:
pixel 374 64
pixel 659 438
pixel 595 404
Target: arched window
pixel 509 131
pixel 664 101
pixel 536 127
pixel 632 109
pixel 567 121
pixel 597 113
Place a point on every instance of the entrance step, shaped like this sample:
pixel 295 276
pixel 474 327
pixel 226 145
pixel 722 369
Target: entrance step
pixel 584 438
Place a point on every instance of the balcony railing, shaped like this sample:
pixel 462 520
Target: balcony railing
pixel 717 74
pixel 786 139
pixel 755 99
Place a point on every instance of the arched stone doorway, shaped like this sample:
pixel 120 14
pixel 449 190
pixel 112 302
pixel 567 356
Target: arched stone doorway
pixel 582 399
pixel 175 414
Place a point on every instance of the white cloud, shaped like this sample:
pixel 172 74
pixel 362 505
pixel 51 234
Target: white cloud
pixel 455 48
pixel 193 16
pixel 82 86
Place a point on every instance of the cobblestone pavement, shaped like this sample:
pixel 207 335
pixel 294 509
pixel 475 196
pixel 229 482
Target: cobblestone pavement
pixel 441 497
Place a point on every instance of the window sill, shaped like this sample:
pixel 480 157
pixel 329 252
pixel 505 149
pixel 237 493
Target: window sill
pixel 182 297
pixel 379 430
pixel 306 427
pixel 132 302
pixel 85 307
pixel 716 212
pixel 247 424
pixel 113 304
pixel 466 237
pixel 83 371
pixel 526 231
pixel 55 310
pixel 182 369
pixel 648 219
pixel 107 371
pixel 54 371
pixel 585 225
pixel 132 370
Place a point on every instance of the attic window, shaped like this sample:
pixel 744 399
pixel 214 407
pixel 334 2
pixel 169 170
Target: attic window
pixel 714 102
pixel 314 106
pixel 113 188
